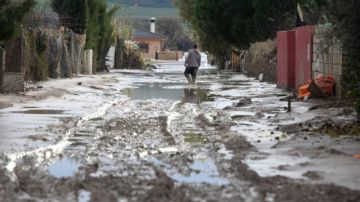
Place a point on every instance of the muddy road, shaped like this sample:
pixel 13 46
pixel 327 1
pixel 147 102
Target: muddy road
pixel 148 136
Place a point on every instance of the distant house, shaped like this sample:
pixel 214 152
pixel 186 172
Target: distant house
pixel 149 42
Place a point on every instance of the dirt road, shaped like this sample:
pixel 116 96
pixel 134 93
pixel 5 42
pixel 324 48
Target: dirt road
pixel 148 136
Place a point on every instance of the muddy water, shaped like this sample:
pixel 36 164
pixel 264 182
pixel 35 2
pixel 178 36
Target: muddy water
pixel 66 167
pixel 40 111
pixel 169 91
pixel 202 170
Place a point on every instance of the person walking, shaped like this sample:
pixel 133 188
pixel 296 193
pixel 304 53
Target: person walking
pixel 192 64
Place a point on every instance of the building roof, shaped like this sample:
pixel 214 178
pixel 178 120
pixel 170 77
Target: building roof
pixel 148 35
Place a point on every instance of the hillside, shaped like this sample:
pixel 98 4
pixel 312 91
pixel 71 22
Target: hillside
pixel 145 8
pixel 145 3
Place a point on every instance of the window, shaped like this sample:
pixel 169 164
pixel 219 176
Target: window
pixel 144 47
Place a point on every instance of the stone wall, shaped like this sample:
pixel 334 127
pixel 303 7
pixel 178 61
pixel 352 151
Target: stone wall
pixel 12 74
pixel 13 82
pixel 14 55
pixel 327 56
pixel 167 56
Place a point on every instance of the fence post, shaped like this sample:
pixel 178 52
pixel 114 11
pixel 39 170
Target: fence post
pixel 72 47
pixel 119 58
pixel 88 61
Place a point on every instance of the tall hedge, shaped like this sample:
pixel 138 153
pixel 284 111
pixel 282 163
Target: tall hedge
pixel 92 18
pixel 12 14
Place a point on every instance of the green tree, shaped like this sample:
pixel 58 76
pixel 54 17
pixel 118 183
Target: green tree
pixel 106 34
pixel 99 32
pixel 12 14
pixel 73 14
pixel 272 16
pixel 229 21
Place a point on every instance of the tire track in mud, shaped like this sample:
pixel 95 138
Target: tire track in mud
pixel 135 153
pixel 197 132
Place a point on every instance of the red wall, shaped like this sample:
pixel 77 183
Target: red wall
pixel 294 56
pixel 286 59
pixel 303 56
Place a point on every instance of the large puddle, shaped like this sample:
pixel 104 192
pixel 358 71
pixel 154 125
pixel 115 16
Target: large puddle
pixel 202 170
pixel 169 91
pixel 66 167
pixel 39 111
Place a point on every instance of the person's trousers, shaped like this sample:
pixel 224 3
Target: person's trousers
pixel 191 71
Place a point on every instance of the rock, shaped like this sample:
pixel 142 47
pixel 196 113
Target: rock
pixel 243 101
pixel 143 154
pixel 259 115
pixel 96 88
pixel 79 84
pixel 312 175
pixel 150 67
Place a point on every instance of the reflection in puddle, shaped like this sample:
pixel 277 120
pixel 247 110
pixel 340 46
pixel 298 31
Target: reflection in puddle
pixel 65 167
pixel 84 196
pixel 154 91
pixel 203 170
pixel 97 119
pixel 193 138
pixel 40 111
pixel 169 91
pixel 194 96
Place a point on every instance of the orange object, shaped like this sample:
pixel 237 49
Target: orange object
pixel 304 91
pixel 357 156
pixel 326 84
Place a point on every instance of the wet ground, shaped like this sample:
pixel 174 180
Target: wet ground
pixel 148 136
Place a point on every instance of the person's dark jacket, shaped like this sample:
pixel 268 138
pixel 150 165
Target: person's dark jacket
pixel 193 59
